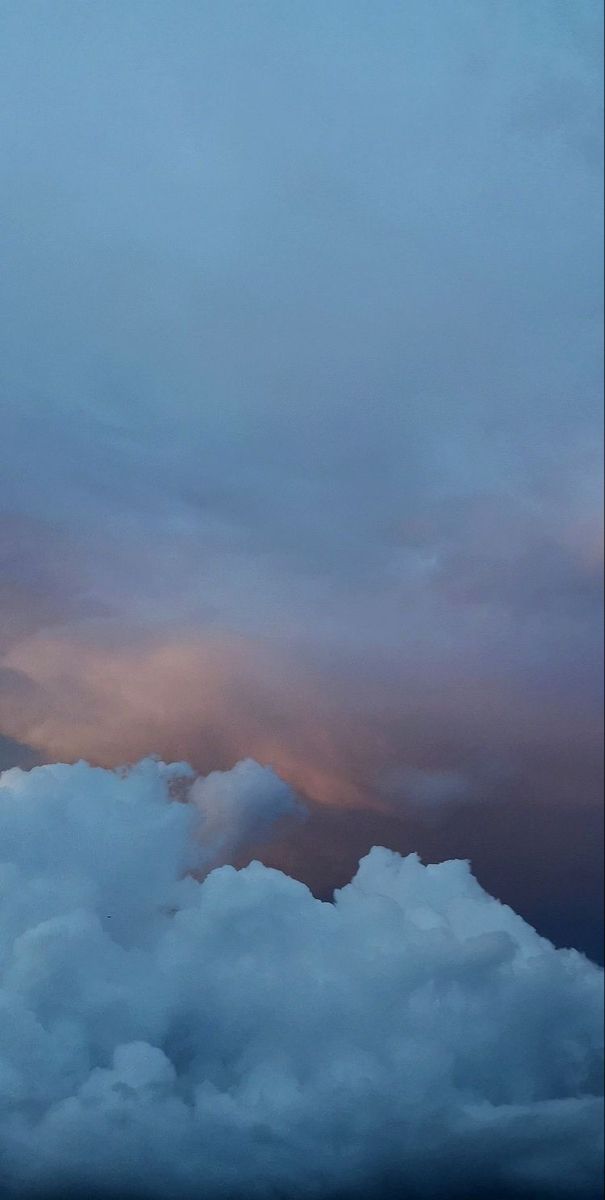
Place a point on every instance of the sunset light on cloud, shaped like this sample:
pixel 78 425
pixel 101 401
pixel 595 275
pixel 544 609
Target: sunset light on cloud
pixel 301 491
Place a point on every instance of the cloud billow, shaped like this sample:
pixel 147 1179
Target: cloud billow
pixel 168 1032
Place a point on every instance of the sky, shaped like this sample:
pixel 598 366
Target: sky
pixel 301 566
pixel 301 429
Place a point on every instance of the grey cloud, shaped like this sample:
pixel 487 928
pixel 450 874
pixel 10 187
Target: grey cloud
pixel 16 754
pixel 237 1036
pixel 292 287
pixel 301 312
pixel 530 557
pixel 43 578
pixel 428 789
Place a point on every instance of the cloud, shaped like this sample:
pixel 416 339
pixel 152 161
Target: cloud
pixel 333 726
pixel 43 579
pixel 293 317
pixel 301 376
pixel 211 699
pixel 428 789
pixel 16 754
pixel 166 1036
pixel 239 807
pixel 301 421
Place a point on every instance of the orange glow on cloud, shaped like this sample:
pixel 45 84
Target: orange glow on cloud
pixel 215 700
pixel 210 701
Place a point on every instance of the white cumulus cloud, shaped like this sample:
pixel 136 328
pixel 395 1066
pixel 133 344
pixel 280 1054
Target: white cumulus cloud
pixel 169 1032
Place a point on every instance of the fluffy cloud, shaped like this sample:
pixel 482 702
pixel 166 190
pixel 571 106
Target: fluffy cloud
pixel 168 1035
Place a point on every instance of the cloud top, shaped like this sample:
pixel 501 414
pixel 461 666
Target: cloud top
pixel 167 1035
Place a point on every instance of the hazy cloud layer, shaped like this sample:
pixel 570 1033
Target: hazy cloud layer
pixel 302 312
pixel 163 1037
pixel 347 732
pixel 301 376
